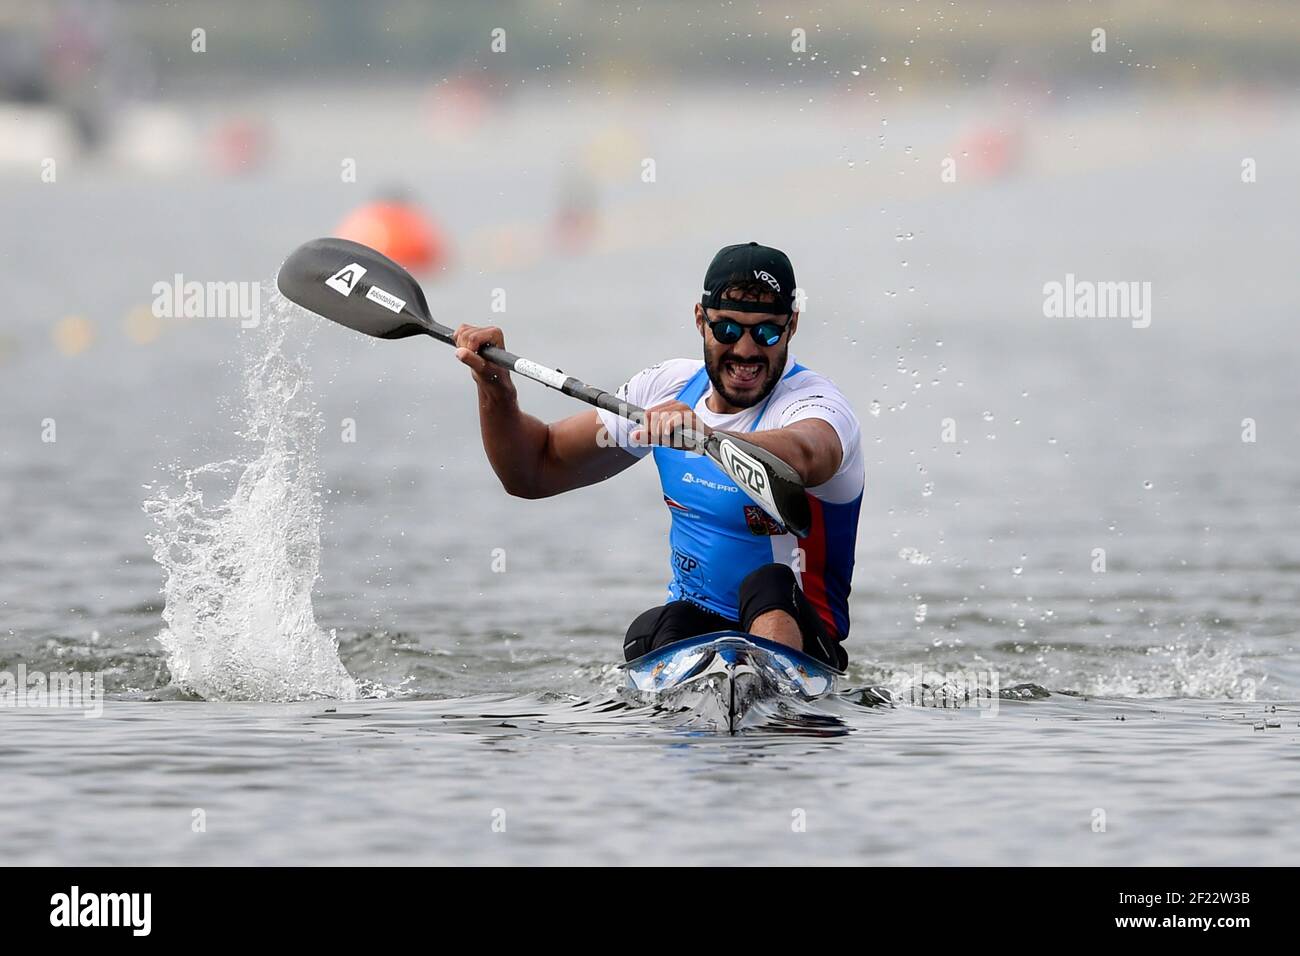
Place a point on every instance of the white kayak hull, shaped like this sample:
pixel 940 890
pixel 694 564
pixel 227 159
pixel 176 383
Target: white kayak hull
pixel 721 676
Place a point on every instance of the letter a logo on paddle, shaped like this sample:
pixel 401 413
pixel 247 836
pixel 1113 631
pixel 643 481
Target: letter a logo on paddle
pixel 345 280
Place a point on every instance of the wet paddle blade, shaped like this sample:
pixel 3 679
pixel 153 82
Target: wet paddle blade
pixel 356 286
pixel 769 481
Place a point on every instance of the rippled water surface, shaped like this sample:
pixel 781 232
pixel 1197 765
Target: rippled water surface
pixel 204 532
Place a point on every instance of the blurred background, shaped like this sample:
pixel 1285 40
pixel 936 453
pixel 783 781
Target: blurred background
pixel 580 163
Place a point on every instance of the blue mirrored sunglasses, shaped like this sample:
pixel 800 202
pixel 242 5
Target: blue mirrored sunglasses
pixel 729 331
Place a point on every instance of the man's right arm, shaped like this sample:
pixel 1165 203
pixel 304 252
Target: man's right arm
pixel 531 458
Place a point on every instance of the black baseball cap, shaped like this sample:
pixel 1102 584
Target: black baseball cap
pixel 749 262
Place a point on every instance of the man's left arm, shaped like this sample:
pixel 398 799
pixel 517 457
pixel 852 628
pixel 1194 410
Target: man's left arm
pixel 810 446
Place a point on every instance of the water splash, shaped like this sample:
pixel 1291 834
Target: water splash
pixel 1186 668
pixel 1182 669
pixel 240 569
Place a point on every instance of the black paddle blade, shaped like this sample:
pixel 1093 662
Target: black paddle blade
pixel 356 286
pixel 768 480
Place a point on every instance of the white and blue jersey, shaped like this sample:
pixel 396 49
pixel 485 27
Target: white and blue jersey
pixel 718 534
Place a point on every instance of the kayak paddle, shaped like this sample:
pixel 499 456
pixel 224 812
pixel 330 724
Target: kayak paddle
pixel 356 286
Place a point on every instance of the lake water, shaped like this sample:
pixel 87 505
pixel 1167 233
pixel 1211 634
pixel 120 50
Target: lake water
pixel 473 712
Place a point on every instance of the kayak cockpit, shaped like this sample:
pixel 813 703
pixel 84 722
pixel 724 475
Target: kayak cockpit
pixel 722 675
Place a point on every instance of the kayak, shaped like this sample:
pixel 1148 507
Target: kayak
pixel 721 676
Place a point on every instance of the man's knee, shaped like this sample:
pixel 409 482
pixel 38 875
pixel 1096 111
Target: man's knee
pixel 640 636
pixel 674 621
pixel 766 581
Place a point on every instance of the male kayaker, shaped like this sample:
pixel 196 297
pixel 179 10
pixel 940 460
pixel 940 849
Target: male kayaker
pixel 734 567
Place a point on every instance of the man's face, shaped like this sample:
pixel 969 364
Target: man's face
pixel 743 372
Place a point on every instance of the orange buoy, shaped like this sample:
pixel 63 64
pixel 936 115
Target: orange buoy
pixel 400 231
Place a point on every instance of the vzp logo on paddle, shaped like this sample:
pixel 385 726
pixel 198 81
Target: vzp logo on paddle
pixel 345 280
pixel 747 472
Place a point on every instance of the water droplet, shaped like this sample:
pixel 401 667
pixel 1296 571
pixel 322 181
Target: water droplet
pixel 875 408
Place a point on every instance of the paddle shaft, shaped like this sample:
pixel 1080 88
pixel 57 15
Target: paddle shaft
pixel 556 379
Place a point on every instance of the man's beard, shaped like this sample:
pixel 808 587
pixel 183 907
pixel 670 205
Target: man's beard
pixel 773 371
